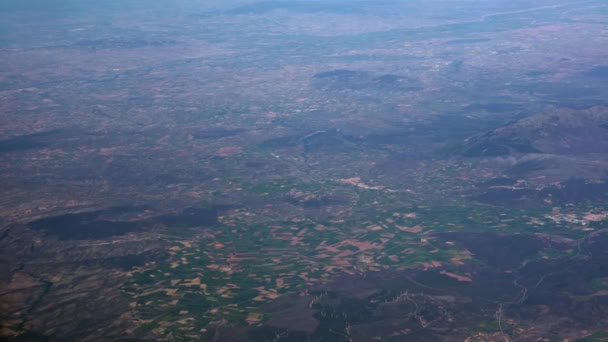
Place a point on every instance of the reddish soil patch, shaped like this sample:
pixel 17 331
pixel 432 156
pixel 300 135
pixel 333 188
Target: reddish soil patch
pixel 414 229
pixel 228 151
pixel 456 276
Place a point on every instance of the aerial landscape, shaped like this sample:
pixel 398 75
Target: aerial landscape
pixel 304 170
